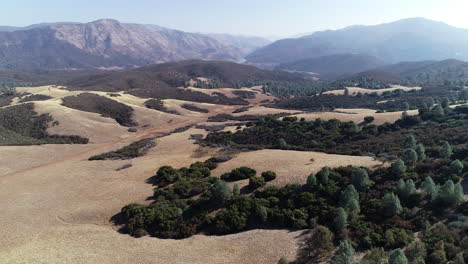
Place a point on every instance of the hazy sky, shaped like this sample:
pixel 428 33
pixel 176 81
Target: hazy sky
pixel 248 17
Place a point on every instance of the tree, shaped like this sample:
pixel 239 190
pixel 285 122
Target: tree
pixel 459 194
pixel 416 252
pixel 405 106
pixel 430 102
pixel 344 254
pixel 317 244
pixel 283 260
pixel 369 119
pixel 456 167
pixel 268 175
pixel 405 189
pixel 438 255
pixel 429 187
pixel 256 182
pixel 311 181
pixel 445 102
pixel 341 219
pixel 398 167
pixel 323 175
pixel 360 178
pixel 410 142
pixel 374 256
pixel 349 200
pixel 446 151
pixel 459 259
pixel 236 190
pixel 282 143
pixel 438 111
pixel 391 204
pixel 449 194
pixel 410 156
pixel 421 151
pixel 221 194
pixel 397 257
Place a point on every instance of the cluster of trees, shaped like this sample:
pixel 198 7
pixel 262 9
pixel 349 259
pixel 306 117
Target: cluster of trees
pixel 21 125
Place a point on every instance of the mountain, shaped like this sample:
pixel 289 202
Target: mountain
pixel 40 25
pixel 247 44
pixel 414 39
pixel 334 66
pixel 106 43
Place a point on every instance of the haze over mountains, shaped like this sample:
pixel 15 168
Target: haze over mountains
pixel 109 44
pixel 412 39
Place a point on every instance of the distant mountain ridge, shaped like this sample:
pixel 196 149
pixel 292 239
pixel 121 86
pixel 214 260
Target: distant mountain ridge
pixel 333 66
pixel 108 43
pixel 415 39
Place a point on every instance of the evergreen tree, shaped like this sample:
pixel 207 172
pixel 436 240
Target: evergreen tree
pixel 405 106
pixel 459 194
pixel 391 204
pixel 429 187
pixel 398 167
pixel 344 254
pixel 421 151
pixel 283 260
pixel 349 199
pixel 410 142
pixel 438 111
pixel 282 143
pixel 438 255
pixel 374 256
pixel 360 178
pixel 445 103
pixel 430 102
pixel 446 194
pixel 341 219
pixel 456 167
pixel 397 257
pixel 410 156
pixel 311 181
pixel 446 151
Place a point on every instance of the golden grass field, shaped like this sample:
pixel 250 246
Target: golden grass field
pixel 356 90
pixel 56 205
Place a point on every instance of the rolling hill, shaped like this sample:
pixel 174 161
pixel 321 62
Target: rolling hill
pixel 110 44
pixel 165 81
pixel 333 66
pixel 414 39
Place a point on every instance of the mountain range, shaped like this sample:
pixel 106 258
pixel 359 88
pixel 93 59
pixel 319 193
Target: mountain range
pixel 109 43
pixel 414 39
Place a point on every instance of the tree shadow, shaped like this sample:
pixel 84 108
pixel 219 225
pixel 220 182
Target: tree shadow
pixel 118 220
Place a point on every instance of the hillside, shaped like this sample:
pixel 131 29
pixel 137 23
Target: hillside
pixel 247 44
pixel 413 39
pixel 164 81
pixel 106 43
pixel 333 66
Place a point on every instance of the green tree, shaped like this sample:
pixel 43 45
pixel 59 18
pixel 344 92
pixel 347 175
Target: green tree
pixel 410 156
pixel 416 252
pixel 438 111
pixel 421 151
pixel 429 187
pixel 282 143
pixel 311 181
pixel 446 151
pixel 374 256
pixel 456 167
pixel 445 103
pixel 438 255
pixel 410 142
pixel 319 243
pixel 268 175
pixel 221 194
pixel 398 167
pixel 344 254
pixel 360 178
pixel 405 106
pixel 391 204
pixel 349 200
pixel 236 190
pixel 283 260
pixel 323 175
pixel 459 194
pixel 341 219
pixel 256 182
pixel 397 257
pixel 459 259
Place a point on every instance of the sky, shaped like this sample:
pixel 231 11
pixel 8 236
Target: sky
pixel 269 18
